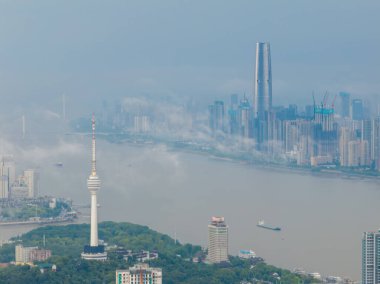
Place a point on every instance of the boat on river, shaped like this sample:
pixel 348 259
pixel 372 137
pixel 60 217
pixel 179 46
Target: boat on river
pixel 261 224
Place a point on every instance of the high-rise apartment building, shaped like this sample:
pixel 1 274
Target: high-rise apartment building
pixel 139 274
pixel 263 81
pixel 371 258
pixel 217 240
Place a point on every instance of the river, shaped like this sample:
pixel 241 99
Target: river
pixel 322 218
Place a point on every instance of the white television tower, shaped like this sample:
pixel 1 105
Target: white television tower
pixel 94 251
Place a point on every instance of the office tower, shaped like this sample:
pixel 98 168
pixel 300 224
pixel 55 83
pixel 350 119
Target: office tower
pixel 216 116
pixel 7 175
pixel 371 258
pixel 139 274
pixel 94 251
pixel 217 240
pixel 344 104
pixel 31 179
pixel 357 109
pixel 263 81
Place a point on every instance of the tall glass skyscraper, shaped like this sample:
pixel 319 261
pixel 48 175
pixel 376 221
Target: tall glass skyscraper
pixel 263 80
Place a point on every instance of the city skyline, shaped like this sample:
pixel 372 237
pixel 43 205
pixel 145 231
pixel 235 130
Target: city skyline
pixel 193 122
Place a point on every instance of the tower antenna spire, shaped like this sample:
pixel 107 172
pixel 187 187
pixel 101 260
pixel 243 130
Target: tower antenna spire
pixel 93 162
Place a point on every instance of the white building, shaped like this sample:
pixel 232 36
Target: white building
pixel 217 240
pixel 371 258
pixel 246 254
pixel 139 274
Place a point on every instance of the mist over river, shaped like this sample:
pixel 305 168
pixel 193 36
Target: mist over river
pixel 176 193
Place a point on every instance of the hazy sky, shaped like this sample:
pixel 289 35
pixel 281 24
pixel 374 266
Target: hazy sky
pixel 202 49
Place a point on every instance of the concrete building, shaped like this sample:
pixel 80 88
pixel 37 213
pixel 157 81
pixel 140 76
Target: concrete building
pixel 139 274
pixel 217 240
pixel 30 254
pixel 94 251
pixel 371 258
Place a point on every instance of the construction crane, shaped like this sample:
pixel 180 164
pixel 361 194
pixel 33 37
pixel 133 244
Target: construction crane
pixel 325 98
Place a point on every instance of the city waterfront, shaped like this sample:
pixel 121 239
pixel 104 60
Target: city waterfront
pixel 322 218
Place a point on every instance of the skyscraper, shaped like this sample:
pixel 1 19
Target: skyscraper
pixel 217 240
pixel 263 80
pixel 94 251
pixel 357 109
pixel 344 104
pixel 371 258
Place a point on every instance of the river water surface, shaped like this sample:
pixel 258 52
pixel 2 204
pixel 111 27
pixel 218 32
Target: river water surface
pixel 322 218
